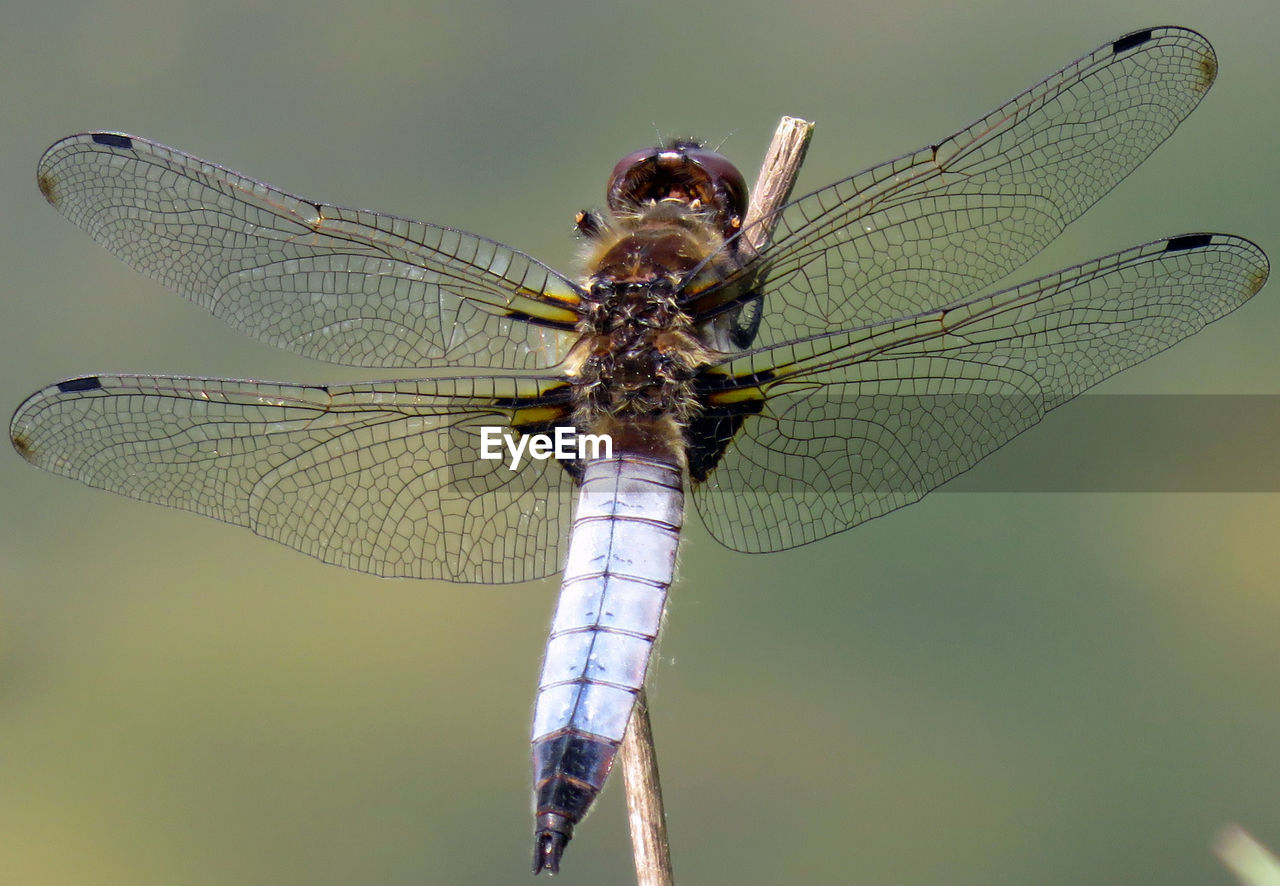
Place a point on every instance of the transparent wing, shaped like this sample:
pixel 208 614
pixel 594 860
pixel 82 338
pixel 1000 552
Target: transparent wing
pixel 380 477
pixel 344 285
pixel 951 219
pixel 855 424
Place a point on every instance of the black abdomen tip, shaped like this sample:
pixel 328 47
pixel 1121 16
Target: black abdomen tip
pixel 548 846
pixel 552 836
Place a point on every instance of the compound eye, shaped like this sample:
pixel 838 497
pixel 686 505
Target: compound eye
pixel 625 172
pixel 725 178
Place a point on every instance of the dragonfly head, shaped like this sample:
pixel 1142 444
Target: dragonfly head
pixel 684 172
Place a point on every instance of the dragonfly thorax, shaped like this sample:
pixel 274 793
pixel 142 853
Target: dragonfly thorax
pixel 639 350
pixel 637 354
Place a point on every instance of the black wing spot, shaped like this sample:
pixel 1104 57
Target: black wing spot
pixel 75 385
pixel 1129 41
pixel 1190 241
pixel 112 140
pixel 708 436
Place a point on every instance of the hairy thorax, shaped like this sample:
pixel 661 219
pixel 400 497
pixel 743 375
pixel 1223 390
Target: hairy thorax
pixel 638 351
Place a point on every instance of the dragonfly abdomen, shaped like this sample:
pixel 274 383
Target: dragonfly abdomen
pixel 622 553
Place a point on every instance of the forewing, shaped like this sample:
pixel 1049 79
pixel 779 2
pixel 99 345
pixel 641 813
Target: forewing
pixel 380 477
pixel 344 285
pixel 855 424
pixel 949 220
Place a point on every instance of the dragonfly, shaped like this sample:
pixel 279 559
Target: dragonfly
pixel 864 356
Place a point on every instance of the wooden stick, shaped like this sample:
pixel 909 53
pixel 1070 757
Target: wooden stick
pixel 1251 862
pixel 777 177
pixel 645 814
pixel 638 757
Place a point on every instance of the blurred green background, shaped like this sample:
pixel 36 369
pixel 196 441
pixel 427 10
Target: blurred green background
pixel 980 689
